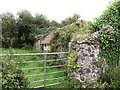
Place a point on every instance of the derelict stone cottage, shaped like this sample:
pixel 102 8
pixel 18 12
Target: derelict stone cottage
pixel 44 43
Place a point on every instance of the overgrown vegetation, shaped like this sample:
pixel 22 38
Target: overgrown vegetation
pixel 111 77
pixel 72 61
pixel 70 20
pixel 76 31
pixel 110 44
pixel 22 33
pixel 111 16
pixel 26 29
pixel 12 77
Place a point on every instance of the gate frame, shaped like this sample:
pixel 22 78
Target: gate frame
pixel 45 67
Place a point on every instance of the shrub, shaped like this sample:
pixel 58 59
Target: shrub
pixel 13 77
pixel 111 76
pixel 70 83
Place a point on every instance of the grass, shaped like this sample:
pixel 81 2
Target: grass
pixel 16 51
pixel 35 64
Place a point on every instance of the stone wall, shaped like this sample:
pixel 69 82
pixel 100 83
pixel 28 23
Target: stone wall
pixel 37 46
pixel 91 64
pixel 89 61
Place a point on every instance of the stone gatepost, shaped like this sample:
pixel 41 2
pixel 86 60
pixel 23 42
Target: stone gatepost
pixel 91 64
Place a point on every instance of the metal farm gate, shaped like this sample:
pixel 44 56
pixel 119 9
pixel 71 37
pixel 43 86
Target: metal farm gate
pixel 62 56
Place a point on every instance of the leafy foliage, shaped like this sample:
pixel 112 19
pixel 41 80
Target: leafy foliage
pixel 60 41
pixel 25 25
pixel 41 21
pixel 9 31
pixel 71 83
pixel 76 31
pixel 13 77
pixel 72 61
pixel 110 43
pixel 111 17
pixel 70 20
pixel 111 76
pixel 24 30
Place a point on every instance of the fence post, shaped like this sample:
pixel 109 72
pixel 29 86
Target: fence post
pixel 45 56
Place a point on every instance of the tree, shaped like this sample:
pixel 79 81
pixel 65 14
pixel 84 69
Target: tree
pixel 54 24
pixel 44 26
pixel 24 30
pixel 9 31
pixel 41 21
pixel 25 25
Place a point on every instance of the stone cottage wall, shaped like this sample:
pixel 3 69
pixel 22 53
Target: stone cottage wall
pixel 37 46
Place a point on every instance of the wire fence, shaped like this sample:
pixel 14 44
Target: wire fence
pixel 45 67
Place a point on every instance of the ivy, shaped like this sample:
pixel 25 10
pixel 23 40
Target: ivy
pixel 110 43
pixel 72 61
pixel 106 40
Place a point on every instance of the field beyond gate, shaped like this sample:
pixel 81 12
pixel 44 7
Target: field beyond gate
pixel 41 69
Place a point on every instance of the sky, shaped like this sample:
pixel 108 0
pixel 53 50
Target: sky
pixel 57 9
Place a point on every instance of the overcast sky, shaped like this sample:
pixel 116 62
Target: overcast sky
pixel 57 9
